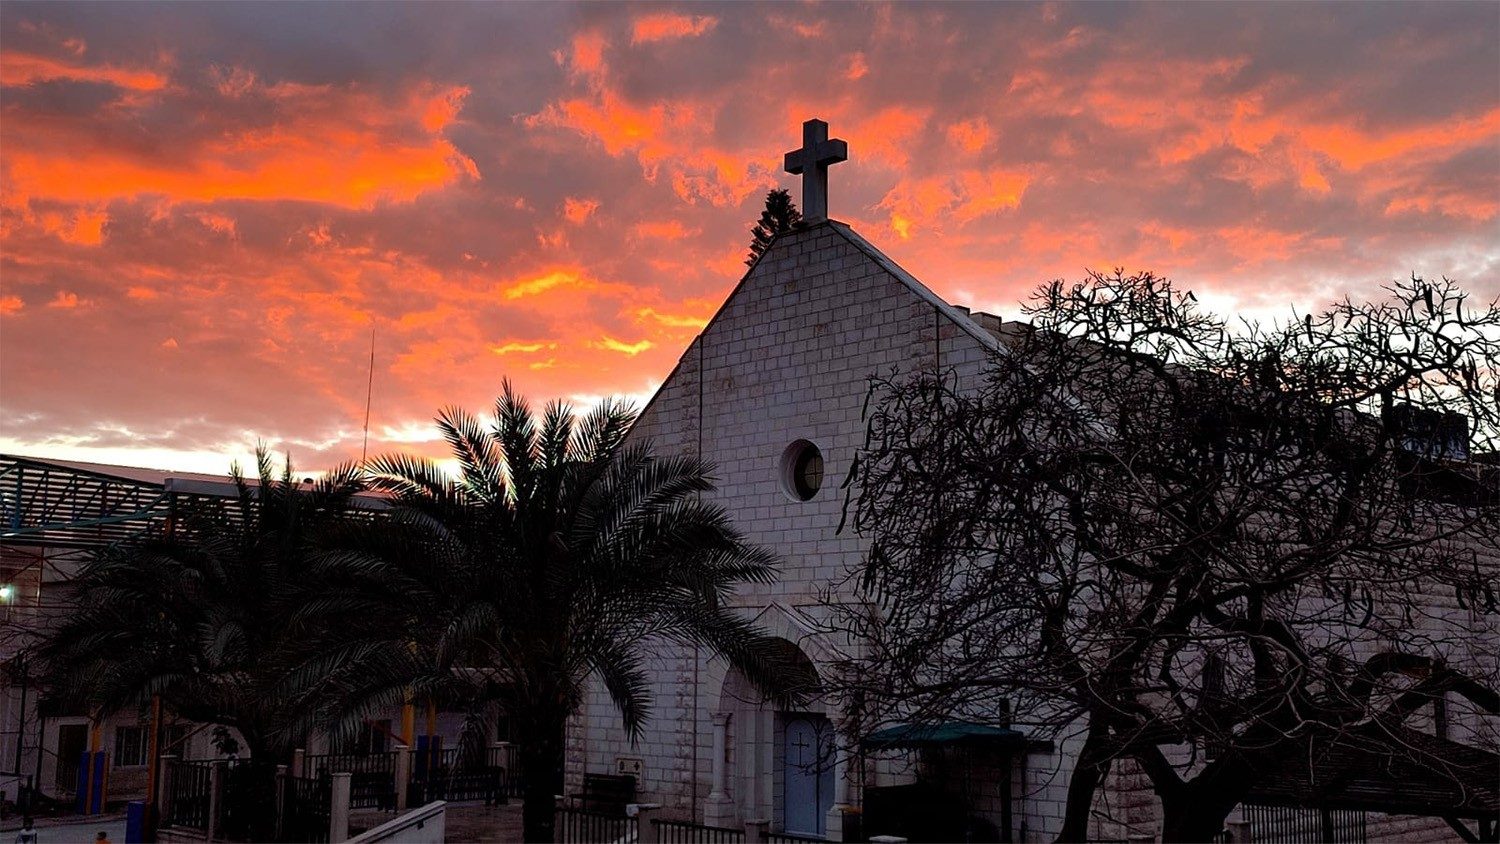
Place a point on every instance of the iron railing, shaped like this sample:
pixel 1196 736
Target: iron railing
pixel 305 807
pixel 576 826
pixel 687 832
pixel 249 787
pixel 487 784
pixel 353 763
pixel 188 798
pixel 792 838
pixel 1294 825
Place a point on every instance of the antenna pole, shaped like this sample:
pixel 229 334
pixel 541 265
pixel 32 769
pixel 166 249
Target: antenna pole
pixel 369 393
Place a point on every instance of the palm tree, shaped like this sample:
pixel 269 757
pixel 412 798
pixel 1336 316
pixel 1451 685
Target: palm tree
pixel 556 555
pixel 198 612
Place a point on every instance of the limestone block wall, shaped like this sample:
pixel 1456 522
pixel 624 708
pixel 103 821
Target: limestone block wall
pixel 787 358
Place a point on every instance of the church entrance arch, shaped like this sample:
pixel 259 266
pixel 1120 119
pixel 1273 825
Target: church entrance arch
pixel 776 763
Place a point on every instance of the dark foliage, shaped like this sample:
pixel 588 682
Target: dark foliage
pixel 1208 543
pixel 780 215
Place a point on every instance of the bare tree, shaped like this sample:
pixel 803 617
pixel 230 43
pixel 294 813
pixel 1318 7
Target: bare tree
pixel 1212 544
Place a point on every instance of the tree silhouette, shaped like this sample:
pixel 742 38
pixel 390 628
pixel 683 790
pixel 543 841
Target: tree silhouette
pixel 1224 548
pixel 779 216
pixel 559 554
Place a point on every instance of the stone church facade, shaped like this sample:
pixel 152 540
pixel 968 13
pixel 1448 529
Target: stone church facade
pixel 779 377
pixel 781 369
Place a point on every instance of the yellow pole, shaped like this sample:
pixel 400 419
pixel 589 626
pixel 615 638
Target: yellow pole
pixel 153 750
pixel 431 733
pixel 409 723
pixel 96 733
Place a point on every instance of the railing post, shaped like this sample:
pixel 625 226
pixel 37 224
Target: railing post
pixel 402 776
pixel 756 832
pixel 645 830
pixel 215 796
pixel 299 761
pixel 164 788
pixel 338 810
pixel 283 775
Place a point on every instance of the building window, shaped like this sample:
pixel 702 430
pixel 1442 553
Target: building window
pixel 373 737
pixel 130 747
pixel 801 470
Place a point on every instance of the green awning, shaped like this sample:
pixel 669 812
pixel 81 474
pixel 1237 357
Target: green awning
pixel 961 733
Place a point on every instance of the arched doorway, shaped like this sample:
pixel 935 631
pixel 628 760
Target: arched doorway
pixel 774 762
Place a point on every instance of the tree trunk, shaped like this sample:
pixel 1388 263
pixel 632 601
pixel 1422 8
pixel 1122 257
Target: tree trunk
pixel 1092 767
pixel 542 760
pixel 1191 819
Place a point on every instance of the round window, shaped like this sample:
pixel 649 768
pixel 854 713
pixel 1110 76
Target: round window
pixel 801 470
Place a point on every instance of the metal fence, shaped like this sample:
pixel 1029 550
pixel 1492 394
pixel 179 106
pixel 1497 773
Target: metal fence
pixel 791 838
pixel 305 806
pixel 487 785
pixel 576 826
pixel 353 763
pixel 187 798
pixel 249 787
pixel 686 832
pixel 1293 825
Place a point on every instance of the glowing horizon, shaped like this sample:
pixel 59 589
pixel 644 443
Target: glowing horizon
pixel 204 209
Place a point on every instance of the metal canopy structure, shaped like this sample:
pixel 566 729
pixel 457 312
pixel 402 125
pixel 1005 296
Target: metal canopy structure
pixel 67 505
pixel 963 733
pixel 1401 771
pixel 58 504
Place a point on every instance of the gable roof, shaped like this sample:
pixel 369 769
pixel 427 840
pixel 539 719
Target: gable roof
pixel 987 338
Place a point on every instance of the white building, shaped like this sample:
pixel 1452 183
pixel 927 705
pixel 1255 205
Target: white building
pixel 772 393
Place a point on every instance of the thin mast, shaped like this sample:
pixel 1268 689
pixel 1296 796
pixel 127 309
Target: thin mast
pixel 369 392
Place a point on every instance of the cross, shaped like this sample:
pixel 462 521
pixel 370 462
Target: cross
pixel 811 162
pixel 801 743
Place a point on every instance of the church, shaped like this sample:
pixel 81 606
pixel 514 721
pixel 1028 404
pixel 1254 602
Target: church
pixel 772 393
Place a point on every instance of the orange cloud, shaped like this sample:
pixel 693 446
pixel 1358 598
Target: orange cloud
pixel 672 320
pixel 577 211
pixel 524 348
pixel 663 230
pixel 971 136
pixel 587 56
pixel 543 283
pixel 11 305
pixel 888 135
pixel 65 300
pixel 141 293
pixel 631 349
pixel 342 147
pixel 665 26
pixel 963 196
pixel 84 227
pixel 18 69
pixel 857 67
pixel 218 223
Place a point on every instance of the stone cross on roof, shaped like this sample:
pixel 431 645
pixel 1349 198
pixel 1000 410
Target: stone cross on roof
pixel 811 162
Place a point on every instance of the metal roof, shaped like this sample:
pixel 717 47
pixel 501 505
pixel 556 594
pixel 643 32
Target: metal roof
pixel 1399 771
pixel 76 505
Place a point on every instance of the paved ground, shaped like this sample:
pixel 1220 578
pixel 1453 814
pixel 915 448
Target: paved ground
pixel 70 830
pixel 472 823
pixel 465 823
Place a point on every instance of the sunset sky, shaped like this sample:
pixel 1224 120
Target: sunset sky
pixel 206 207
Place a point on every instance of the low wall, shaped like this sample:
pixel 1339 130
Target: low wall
pixel 424 825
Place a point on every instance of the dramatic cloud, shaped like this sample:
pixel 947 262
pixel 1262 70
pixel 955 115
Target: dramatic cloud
pixel 209 211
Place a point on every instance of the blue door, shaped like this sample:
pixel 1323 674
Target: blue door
pixel 807 775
